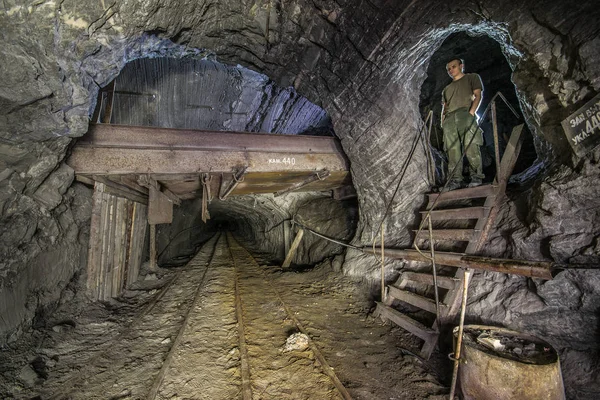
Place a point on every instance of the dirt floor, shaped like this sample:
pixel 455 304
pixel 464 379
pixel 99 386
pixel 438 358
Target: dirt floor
pixel 225 326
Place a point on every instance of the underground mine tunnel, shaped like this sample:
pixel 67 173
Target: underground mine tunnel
pixel 227 200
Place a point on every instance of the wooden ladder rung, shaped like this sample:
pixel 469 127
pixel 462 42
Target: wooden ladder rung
pixel 459 235
pixel 406 322
pixel 416 300
pixel 462 194
pixel 456 213
pixel 446 282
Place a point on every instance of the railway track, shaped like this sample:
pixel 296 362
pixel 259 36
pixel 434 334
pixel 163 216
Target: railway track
pixel 217 331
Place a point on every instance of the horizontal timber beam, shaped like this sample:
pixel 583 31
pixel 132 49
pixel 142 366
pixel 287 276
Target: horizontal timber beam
pixel 102 161
pixel 148 182
pixel 533 269
pixel 114 188
pixel 141 137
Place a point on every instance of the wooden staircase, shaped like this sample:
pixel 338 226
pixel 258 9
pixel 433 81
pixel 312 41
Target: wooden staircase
pixel 461 220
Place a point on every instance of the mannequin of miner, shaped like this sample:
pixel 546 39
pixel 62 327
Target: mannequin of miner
pixel 460 100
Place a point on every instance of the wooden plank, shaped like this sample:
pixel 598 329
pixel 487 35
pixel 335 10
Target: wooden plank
pixel 456 213
pixel 153 264
pixel 127 244
pixel 112 187
pixel 153 137
pixel 117 248
pixel 317 176
pixel 414 299
pixel 404 321
pixel 105 229
pixel 148 182
pixel 292 252
pixel 459 235
pixel 511 153
pixel 140 226
pixel 131 182
pixel 446 282
pixel 110 98
pixel 160 208
pixel 110 248
pixel 120 189
pixel 534 269
pixel 462 194
pixel 118 161
pixel 95 242
pixel 120 246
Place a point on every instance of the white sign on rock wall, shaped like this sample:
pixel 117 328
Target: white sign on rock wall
pixel 582 128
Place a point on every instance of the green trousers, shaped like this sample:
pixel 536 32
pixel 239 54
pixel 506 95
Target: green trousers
pixel 459 127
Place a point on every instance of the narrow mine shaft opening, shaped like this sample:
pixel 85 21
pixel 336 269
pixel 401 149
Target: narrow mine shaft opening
pixel 187 94
pixel 484 56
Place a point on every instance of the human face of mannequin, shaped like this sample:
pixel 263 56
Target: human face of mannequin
pixel 455 69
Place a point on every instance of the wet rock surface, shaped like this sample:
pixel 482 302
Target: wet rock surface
pixel 364 63
pixel 122 349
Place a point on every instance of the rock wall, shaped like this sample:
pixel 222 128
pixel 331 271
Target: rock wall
pixel 179 241
pixel 264 223
pixel 364 62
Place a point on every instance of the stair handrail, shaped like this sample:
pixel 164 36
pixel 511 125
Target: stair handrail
pixel 491 104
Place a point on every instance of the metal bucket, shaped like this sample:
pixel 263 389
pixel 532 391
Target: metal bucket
pixel 488 371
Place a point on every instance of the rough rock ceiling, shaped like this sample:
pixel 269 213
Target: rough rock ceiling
pixel 201 94
pixel 364 62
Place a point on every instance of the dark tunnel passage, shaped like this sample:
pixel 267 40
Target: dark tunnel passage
pixel 482 55
pixel 206 95
pixel 311 117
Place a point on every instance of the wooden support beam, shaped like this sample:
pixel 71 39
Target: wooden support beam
pixel 292 252
pixel 113 188
pixel 110 99
pixel 95 243
pixel 534 269
pixel 102 161
pixel 131 182
pixel 153 256
pixel 238 176
pixel 160 208
pixel 149 182
pixel 317 176
pixel 140 137
pixel 113 149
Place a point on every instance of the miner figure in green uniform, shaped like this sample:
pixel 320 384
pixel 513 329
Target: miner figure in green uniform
pixel 460 100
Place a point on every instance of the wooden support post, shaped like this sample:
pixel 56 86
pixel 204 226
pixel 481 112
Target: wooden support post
pixel 286 237
pixel 317 176
pixel 110 98
pixel 95 244
pixel 237 177
pixel 148 182
pixel 496 141
pixel 295 244
pixel 153 263
pixel 534 269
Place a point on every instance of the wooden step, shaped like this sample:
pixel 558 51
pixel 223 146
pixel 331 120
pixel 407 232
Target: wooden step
pixel 462 194
pixel 406 322
pixel 446 282
pixel 459 235
pixel 456 213
pixel 416 300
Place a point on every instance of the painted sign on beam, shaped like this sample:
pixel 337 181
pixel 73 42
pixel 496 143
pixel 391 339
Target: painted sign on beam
pixel 582 128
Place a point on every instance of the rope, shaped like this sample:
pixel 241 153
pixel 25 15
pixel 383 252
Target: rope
pixel 401 175
pixel 326 237
pixel 428 214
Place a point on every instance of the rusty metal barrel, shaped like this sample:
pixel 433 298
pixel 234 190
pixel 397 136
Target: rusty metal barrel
pixel 501 364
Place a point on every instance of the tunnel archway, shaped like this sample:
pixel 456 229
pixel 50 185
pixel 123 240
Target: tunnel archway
pixel 201 94
pixel 482 55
